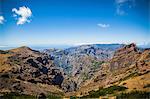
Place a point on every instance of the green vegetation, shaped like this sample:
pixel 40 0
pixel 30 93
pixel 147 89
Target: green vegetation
pixel 96 64
pixel 73 97
pixel 55 95
pixel 113 89
pixel 134 95
pixel 22 96
pixel 50 96
pixel 16 96
pixel 105 91
pixel 85 76
pixel 3 52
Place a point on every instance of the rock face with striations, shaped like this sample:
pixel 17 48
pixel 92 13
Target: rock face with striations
pixel 128 62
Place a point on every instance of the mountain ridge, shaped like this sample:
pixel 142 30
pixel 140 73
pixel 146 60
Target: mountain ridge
pixel 23 67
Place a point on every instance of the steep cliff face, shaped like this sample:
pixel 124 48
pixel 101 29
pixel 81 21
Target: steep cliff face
pixel 81 62
pixel 127 63
pixel 131 57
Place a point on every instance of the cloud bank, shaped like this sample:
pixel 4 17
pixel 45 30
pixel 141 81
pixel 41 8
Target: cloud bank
pixel 22 15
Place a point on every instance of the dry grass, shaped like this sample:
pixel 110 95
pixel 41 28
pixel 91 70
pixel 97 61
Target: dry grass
pixel 137 83
pixel 3 66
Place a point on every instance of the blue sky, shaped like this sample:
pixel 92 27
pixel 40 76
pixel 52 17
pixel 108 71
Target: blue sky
pixel 73 22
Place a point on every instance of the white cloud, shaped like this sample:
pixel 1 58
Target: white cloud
pixel 2 19
pixel 121 1
pixel 22 15
pixel 122 6
pixel 103 25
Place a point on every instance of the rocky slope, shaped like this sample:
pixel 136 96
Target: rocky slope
pixel 23 70
pixel 127 63
pixel 81 62
pixel 74 71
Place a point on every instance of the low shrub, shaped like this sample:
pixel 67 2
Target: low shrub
pixel 104 91
pixel 134 95
pixel 16 96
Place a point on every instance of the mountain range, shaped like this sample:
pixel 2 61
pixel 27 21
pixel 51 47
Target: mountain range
pixel 86 71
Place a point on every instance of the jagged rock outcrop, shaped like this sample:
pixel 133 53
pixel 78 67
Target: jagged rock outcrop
pixel 126 61
pixel 69 85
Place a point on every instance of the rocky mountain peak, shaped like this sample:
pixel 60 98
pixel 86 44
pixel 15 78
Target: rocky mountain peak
pixel 25 51
pixel 131 46
pixel 23 48
pixel 127 49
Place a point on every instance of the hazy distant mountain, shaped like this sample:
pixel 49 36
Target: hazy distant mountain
pixel 64 58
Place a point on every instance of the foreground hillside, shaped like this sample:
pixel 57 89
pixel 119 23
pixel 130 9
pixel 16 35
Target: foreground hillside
pixel 27 71
pixel 84 71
